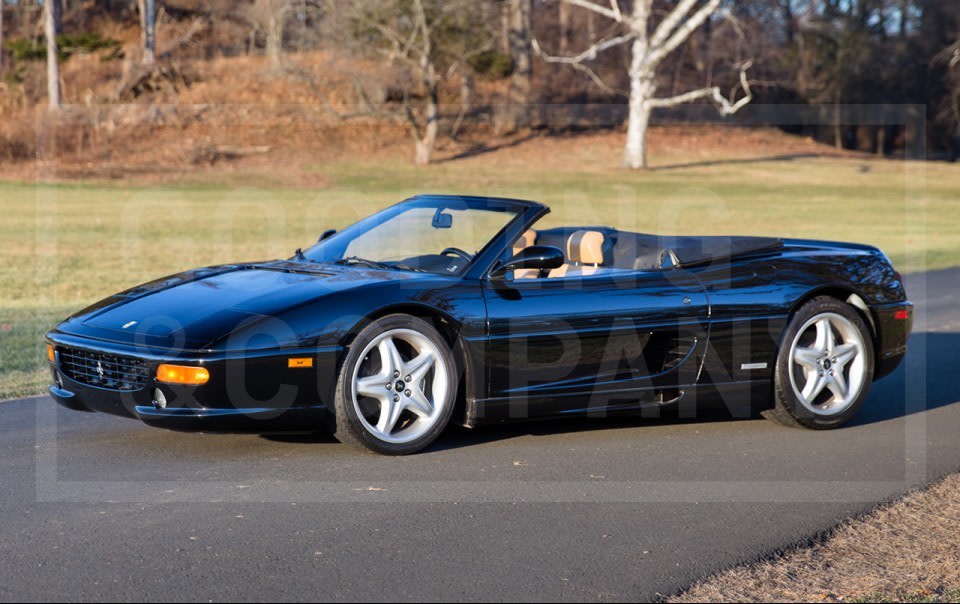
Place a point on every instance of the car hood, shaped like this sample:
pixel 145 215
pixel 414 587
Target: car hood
pixel 193 309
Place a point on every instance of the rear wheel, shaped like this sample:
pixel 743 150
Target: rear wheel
pixel 396 388
pixel 824 366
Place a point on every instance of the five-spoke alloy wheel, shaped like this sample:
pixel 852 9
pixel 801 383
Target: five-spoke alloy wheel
pixel 824 367
pixel 397 386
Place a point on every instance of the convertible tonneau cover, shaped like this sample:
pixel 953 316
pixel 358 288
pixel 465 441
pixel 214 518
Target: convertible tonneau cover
pixel 701 250
pixel 643 251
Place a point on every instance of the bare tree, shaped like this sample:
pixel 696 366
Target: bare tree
pixel 564 25
pixel 519 35
pixel 427 135
pixel 520 47
pixel 51 8
pixel 2 2
pixel 648 50
pixel 432 38
pixel 148 23
pixel 948 114
pixel 268 18
pixel 275 12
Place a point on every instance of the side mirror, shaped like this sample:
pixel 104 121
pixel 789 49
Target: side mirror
pixel 326 234
pixel 538 257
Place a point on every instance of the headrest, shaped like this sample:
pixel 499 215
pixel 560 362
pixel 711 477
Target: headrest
pixel 585 247
pixel 526 240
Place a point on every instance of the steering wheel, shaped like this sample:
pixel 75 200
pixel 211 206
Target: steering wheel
pixel 457 252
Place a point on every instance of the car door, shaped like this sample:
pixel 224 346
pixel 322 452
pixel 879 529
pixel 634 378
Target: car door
pixel 750 309
pixel 615 340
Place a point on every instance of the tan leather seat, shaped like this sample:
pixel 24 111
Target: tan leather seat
pixel 584 254
pixel 526 240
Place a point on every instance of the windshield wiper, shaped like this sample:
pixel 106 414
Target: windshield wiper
pixel 407 267
pixel 375 264
pixel 364 261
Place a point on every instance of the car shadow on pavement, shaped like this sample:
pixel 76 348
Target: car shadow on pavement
pixel 456 438
pixel 926 380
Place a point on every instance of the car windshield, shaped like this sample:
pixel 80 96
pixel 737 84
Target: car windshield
pixel 436 236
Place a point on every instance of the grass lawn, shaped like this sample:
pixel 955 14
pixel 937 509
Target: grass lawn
pixel 65 246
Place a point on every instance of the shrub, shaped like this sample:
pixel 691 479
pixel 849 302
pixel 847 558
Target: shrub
pixel 27 49
pixel 492 64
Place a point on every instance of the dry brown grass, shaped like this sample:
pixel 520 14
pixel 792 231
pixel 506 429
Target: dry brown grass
pixel 244 101
pixel 907 550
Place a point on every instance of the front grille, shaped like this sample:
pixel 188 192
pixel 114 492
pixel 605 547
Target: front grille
pixel 103 370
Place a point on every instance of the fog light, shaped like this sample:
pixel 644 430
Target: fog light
pixel 159 400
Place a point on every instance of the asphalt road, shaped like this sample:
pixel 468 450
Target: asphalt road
pixel 96 507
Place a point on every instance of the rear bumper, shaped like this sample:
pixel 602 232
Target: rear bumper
pixel 893 325
pixel 242 387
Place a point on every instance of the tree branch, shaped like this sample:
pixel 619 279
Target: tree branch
pixel 615 7
pixel 588 54
pixel 725 106
pixel 458 62
pixel 576 61
pixel 611 13
pixel 658 52
pixel 670 23
pixel 597 80
pixel 303 75
pixel 415 128
pixel 401 47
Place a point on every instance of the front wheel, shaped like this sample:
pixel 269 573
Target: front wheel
pixel 396 388
pixel 824 366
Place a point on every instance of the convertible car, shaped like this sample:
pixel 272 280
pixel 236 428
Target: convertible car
pixel 453 308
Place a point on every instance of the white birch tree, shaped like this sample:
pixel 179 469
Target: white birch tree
pixel 51 9
pixel 148 24
pixel 649 47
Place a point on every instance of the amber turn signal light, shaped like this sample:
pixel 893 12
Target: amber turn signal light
pixel 182 374
pixel 50 354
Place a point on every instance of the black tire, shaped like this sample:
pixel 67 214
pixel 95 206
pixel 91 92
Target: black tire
pixel 789 408
pixel 347 423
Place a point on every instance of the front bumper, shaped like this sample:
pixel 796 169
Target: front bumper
pixel 243 385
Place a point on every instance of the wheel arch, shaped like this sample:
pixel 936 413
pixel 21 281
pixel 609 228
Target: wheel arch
pixel 846 294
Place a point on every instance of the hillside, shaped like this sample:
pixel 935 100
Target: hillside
pixel 202 117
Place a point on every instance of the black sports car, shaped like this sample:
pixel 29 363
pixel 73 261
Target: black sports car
pixel 457 308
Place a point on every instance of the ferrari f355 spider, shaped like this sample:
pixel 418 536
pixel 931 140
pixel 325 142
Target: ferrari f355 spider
pixel 455 308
